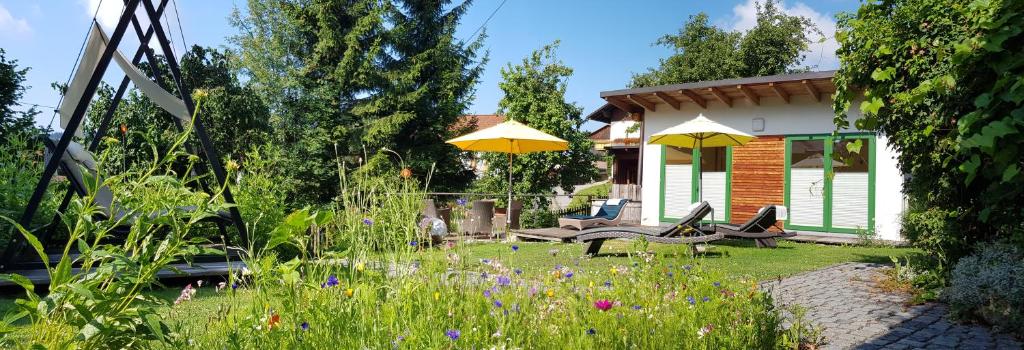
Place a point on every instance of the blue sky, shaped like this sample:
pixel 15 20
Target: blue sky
pixel 604 41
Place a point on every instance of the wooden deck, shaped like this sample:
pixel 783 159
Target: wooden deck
pixel 199 269
pixel 552 234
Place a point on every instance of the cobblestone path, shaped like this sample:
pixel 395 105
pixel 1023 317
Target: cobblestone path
pixel 855 315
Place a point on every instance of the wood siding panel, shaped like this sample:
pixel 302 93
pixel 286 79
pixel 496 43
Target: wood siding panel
pixel 758 176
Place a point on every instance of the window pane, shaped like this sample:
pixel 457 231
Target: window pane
pixel 712 159
pixel 845 161
pixel 807 154
pixel 678 156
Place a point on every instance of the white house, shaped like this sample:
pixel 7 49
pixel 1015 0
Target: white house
pixel 794 161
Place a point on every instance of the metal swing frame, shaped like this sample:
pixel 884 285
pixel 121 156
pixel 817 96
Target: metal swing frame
pixel 208 151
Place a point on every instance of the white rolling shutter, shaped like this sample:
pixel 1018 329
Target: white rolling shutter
pixel 714 193
pixel 678 183
pixel 806 196
pixel 850 200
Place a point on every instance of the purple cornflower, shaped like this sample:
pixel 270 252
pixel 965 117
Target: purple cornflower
pixel 568 274
pixel 691 300
pixel 487 293
pixel 515 248
pixel 717 284
pixel 608 284
pixel 413 243
pixel 706 299
pixel 687 267
pixel 497 303
pixel 234 286
pixel 453 334
pixel 485 261
pixel 591 331
pixel 368 222
pixel 533 291
pixel 305 326
pixel 670 275
pixel 636 307
pixel 558 266
pixel 504 281
pixel 332 281
pixel 461 202
pixel 518 271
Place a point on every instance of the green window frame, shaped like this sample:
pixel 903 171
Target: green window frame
pixel 829 142
pixel 694 189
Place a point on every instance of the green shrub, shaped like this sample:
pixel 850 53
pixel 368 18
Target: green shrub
pixel 260 189
pixel 596 191
pixel 21 167
pixel 538 218
pixel 934 230
pixel 990 285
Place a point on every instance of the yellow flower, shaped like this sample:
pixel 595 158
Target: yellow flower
pixel 437 295
pixel 551 293
pixel 591 284
pixel 557 274
pixel 614 271
pixel 349 292
pixel 360 267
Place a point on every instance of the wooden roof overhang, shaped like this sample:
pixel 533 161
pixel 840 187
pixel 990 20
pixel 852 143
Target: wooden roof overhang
pixel 729 92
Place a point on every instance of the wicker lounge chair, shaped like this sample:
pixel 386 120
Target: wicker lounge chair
pixel 77 157
pixel 610 214
pixel 756 228
pixel 675 234
pixel 479 219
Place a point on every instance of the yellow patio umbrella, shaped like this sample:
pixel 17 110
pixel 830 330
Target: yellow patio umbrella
pixel 698 133
pixel 510 137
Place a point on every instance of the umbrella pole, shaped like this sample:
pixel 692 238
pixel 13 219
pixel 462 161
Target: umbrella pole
pixel 508 206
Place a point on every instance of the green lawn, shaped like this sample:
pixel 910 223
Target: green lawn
pixel 736 258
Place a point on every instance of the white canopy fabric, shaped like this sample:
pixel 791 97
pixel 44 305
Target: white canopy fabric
pixel 90 57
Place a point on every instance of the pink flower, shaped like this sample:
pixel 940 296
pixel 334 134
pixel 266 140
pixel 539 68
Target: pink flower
pixel 603 304
pixel 186 294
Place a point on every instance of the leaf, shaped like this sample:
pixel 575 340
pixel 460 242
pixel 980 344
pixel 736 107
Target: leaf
pixel 154 324
pixel 883 74
pixel 983 100
pixel 20 280
pixel 928 130
pixel 1010 172
pixel 32 240
pixel 855 147
pixel 970 167
pixel 987 137
pixel 871 106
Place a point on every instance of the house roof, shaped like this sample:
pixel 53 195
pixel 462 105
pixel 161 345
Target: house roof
pixel 602 134
pixel 481 121
pixel 726 91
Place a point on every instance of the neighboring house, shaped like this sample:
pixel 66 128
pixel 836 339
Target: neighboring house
pixel 472 123
pixel 794 159
pixel 600 138
pixel 624 147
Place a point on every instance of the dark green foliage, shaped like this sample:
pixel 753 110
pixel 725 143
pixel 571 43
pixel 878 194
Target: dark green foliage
pixel 703 51
pixel 353 81
pixel 595 192
pixel 12 80
pixel 535 96
pixel 538 218
pixel 942 80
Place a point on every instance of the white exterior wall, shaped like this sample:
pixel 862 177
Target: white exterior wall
pixel 619 128
pixel 802 115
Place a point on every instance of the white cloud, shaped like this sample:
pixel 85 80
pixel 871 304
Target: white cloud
pixel 820 55
pixel 11 26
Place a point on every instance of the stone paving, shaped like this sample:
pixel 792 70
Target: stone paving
pixel 854 314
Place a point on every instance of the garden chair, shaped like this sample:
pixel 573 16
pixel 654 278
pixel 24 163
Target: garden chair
pixel 674 234
pixel 479 219
pixel 757 228
pixel 610 214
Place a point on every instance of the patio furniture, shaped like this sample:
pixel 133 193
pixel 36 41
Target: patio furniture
pixel 479 219
pixel 77 157
pixel 431 210
pixel 500 219
pixel 610 214
pixel 756 228
pixel 674 234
